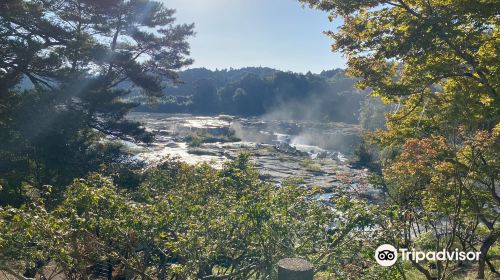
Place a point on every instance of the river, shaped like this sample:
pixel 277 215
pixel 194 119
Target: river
pixel 314 153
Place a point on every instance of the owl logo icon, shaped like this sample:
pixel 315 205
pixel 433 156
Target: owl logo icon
pixel 386 255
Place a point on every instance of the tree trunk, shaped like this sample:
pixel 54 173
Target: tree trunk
pixel 485 247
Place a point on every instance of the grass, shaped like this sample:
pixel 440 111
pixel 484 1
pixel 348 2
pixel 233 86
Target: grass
pixel 201 152
pixel 310 165
pixel 197 139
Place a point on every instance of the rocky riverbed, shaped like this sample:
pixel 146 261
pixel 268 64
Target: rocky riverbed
pixel 314 154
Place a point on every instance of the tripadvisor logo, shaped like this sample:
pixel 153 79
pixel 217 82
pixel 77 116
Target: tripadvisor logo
pixel 387 255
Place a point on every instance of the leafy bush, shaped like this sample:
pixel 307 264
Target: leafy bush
pixel 182 222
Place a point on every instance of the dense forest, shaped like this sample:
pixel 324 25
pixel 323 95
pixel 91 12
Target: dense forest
pixel 258 91
pixel 75 205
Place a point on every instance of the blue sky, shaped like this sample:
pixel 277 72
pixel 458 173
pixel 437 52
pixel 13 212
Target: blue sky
pixel 274 33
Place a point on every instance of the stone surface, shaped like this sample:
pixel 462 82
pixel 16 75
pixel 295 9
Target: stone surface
pixel 281 150
pixel 295 269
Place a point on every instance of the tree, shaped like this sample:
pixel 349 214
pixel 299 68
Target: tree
pixel 205 98
pixel 439 61
pixel 81 58
pixel 372 114
pixel 89 49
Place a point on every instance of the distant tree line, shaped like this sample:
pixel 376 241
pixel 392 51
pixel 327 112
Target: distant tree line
pixel 256 91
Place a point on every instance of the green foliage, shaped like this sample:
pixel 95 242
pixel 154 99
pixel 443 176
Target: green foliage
pixel 182 222
pixel 372 114
pixel 366 156
pixel 195 140
pixel 42 143
pixel 438 60
pixel 205 98
pixel 310 165
pixel 65 70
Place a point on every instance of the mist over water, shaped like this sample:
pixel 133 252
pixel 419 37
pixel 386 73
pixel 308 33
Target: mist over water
pixel 309 109
pixel 313 151
pixel 330 136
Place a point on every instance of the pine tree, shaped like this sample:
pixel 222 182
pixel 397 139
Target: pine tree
pixel 80 60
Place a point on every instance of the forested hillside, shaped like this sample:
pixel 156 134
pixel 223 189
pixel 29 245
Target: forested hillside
pixel 220 78
pixel 328 96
